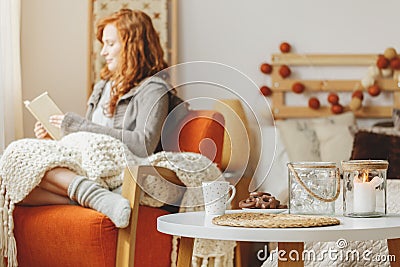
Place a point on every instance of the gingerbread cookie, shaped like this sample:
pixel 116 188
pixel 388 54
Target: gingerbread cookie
pixel 261 200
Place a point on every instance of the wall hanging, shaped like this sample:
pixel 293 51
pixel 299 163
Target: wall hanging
pixel 382 75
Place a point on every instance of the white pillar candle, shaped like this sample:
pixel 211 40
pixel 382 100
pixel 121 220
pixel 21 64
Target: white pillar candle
pixel 364 197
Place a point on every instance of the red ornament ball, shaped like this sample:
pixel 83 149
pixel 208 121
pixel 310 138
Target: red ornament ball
pixel 284 71
pixel 395 63
pixel 359 94
pixel 333 98
pixel 313 103
pixel 298 88
pixel 374 90
pixel 266 68
pixel 265 90
pixel 285 47
pixel 382 62
pixel 337 109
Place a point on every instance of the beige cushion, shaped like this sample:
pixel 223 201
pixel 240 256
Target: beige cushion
pixel 300 139
pixel 335 142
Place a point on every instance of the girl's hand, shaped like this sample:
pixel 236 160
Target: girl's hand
pixel 56 120
pixel 40 131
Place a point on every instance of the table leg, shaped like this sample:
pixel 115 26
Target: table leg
pixel 394 250
pixel 185 252
pixel 288 250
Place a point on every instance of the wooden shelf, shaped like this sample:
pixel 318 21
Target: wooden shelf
pixel 285 112
pixel 332 85
pixel 323 59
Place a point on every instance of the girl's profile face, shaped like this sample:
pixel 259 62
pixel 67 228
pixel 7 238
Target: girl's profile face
pixel 111 46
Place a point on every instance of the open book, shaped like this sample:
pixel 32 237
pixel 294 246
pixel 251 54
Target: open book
pixel 42 107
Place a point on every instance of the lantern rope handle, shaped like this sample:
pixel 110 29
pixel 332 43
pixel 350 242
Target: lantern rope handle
pixel 291 168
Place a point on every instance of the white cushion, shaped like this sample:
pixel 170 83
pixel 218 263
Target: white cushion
pixel 300 139
pixel 335 142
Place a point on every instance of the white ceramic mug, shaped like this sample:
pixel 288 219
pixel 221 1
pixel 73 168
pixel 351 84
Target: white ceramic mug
pixel 215 195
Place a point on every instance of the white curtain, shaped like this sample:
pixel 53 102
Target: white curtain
pixel 10 73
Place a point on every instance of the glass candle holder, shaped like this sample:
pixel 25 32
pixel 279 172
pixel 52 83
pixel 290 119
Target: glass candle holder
pixel 364 188
pixel 313 187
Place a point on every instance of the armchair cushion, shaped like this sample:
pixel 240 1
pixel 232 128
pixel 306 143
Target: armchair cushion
pixel 200 131
pixel 44 236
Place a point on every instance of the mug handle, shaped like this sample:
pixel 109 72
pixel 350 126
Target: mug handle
pixel 232 187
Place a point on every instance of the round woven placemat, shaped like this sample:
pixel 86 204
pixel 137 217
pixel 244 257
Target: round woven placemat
pixel 265 220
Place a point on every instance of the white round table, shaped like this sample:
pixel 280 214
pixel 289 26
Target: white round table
pixel 196 225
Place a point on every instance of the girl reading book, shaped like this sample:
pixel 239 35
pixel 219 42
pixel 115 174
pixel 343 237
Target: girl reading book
pixel 129 104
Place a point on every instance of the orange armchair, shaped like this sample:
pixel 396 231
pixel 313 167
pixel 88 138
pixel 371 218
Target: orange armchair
pixel 66 235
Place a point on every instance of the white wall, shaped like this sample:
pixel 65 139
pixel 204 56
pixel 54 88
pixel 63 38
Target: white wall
pixel 54 53
pixel 243 34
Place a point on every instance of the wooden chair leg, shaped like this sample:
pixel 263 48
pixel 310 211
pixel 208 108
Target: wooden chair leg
pixel 246 253
pixel 290 249
pixel 238 255
pixel 127 236
pixel 394 251
pixel 185 252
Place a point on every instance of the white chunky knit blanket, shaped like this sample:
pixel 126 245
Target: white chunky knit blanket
pixel 101 158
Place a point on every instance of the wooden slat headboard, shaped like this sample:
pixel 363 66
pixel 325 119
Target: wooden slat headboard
pixel 281 86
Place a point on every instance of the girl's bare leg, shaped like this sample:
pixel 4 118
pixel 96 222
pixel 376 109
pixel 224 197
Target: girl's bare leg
pixel 41 197
pixel 52 190
pixel 57 180
pixel 59 185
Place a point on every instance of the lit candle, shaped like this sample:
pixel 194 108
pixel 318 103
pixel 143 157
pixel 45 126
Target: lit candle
pixel 364 194
pixel 364 197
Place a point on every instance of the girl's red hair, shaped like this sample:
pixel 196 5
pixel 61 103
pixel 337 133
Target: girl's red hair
pixel 141 54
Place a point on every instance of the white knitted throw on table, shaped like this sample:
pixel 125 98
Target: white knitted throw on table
pixel 101 158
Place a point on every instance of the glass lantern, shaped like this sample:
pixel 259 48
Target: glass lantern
pixel 364 188
pixel 313 187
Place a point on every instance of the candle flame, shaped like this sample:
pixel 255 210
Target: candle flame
pixel 365 177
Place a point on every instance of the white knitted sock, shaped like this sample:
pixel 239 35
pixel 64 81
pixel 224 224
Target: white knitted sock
pixel 90 194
